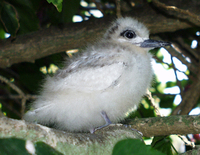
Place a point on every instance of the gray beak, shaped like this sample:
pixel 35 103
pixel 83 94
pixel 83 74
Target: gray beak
pixel 154 43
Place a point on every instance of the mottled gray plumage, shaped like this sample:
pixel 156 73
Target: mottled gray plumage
pixel 106 80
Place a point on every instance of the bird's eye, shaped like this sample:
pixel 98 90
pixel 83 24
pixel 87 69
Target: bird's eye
pixel 130 34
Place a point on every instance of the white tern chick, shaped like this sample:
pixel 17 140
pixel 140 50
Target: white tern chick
pixel 101 84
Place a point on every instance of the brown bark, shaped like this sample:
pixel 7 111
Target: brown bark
pixel 155 126
pixel 161 126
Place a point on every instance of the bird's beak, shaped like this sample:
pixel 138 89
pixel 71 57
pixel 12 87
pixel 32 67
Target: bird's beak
pixel 154 43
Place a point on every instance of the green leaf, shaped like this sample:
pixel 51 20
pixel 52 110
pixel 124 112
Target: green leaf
pixel 42 148
pixel 57 4
pixel 16 146
pixel 27 16
pixel 23 3
pixel 163 144
pixel 159 55
pixel 28 21
pixel 144 110
pixel 13 146
pixel 70 8
pixel 9 18
pixel 24 16
pixel 170 84
pixel 167 101
pixel 184 83
pixel 2 32
pixel 135 147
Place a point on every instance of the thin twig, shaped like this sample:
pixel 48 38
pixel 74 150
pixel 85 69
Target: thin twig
pixel 153 103
pixel 18 90
pixel 178 82
pixel 181 48
pixel 191 16
pixel 176 52
pixel 13 86
pixel 159 60
pixel 188 51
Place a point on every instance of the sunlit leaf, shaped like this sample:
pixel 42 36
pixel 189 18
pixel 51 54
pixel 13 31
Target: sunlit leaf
pixel 2 33
pixel 135 147
pixel 159 55
pixel 144 110
pixel 57 4
pixel 161 87
pixel 170 84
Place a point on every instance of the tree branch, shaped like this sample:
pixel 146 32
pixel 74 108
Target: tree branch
pixel 155 126
pixel 160 126
pixel 181 13
pixel 102 142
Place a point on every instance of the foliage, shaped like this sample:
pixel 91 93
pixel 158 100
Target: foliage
pixel 24 16
pixel 162 144
pixel 57 3
pixel 18 17
pixel 134 146
pixel 19 147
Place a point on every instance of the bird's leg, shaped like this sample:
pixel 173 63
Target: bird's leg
pixel 105 117
pixel 107 120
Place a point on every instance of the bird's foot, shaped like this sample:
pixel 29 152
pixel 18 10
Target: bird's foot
pixel 107 120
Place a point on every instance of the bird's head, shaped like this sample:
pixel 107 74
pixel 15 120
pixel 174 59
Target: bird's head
pixel 129 31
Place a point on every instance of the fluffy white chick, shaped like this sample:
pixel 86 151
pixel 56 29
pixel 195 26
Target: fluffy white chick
pixel 101 84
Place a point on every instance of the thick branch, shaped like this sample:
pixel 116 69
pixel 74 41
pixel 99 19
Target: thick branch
pixel 160 126
pixel 156 126
pixel 177 12
pixel 102 142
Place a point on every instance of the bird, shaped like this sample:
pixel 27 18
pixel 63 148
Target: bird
pixel 101 84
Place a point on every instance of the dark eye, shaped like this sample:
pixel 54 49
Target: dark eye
pixel 128 34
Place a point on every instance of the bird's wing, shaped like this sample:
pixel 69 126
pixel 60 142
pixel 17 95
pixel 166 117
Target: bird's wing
pixel 91 79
